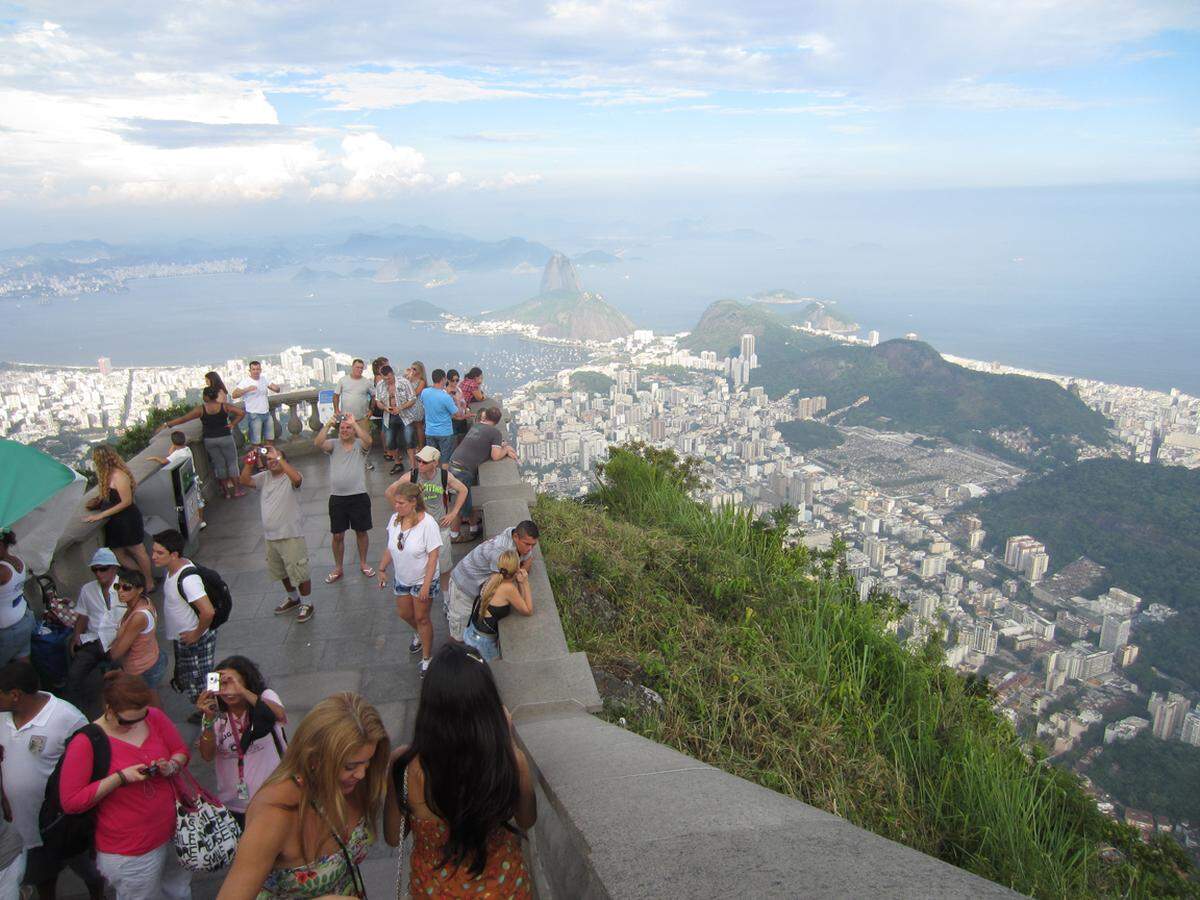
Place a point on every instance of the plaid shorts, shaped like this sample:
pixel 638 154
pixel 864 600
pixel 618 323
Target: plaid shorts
pixel 192 665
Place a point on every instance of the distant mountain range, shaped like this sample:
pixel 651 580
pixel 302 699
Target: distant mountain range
pixel 427 270
pixel 564 310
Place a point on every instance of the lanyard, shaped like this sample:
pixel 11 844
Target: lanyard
pixel 237 746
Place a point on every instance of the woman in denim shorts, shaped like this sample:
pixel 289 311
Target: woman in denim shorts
pixel 413 544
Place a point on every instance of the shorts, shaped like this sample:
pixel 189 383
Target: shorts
pixel 443 442
pixel 435 589
pixel 288 558
pixel 11 877
pixel 153 676
pixel 468 478
pixel 349 511
pixel 395 435
pixel 222 457
pixel 458 611
pixel 14 640
pixel 260 427
pixel 488 645
pixel 154 874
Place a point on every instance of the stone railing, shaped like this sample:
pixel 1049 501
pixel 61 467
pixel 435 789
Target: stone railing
pixel 622 816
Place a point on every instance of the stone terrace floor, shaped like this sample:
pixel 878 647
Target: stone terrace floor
pixel 354 642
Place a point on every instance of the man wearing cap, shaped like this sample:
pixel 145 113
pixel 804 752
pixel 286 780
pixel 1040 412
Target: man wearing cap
pixel 95 629
pixel 436 483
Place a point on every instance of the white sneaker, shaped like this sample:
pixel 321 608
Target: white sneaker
pixel 424 667
pixel 415 646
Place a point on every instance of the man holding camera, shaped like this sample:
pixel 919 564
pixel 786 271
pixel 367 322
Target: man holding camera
pixel 278 483
pixel 349 502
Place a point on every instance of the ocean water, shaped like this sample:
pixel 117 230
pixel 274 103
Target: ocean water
pixel 1098 283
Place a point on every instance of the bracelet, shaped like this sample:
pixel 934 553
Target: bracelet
pixel 121 775
pixel 206 724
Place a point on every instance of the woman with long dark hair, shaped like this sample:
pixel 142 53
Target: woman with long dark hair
pixel 213 380
pixel 460 787
pixel 310 826
pixel 136 645
pixel 241 727
pixel 124 530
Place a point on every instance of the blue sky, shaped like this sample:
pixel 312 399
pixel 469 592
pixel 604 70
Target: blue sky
pixel 349 105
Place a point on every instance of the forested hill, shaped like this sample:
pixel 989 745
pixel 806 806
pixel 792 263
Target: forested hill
pixel 1141 522
pixel 722 325
pixel 911 388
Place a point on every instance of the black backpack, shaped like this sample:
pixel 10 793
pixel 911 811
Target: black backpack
pixel 217 590
pixel 65 835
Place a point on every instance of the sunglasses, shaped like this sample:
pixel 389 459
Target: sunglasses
pixel 103 568
pixel 126 586
pixel 129 722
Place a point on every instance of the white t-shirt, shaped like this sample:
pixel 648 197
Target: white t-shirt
pixel 30 754
pixel 179 454
pixel 91 604
pixel 177 602
pixel 257 401
pixel 419 541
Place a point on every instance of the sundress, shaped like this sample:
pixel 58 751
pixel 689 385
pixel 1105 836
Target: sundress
pixel 327 875
pixel 504 876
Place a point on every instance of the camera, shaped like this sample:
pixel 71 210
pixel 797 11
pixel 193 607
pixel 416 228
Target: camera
pixel 262 451
pixel 214 682
pixel 152 770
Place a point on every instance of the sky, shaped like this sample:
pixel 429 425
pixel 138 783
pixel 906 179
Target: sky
pixel 275 112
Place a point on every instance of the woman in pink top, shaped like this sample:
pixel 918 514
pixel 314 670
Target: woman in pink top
pixel 136 644
pixel 134 802
pixel 242 728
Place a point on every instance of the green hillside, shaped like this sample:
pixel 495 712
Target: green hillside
pixel 722 325
pixel 416 310
pixel 1141 522
pixel 770 668
pixel 912 388
pixel 805 435
pixel 1147 773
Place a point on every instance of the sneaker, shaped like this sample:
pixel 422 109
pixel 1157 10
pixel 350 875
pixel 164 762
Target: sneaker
pixel 370 467
pixel 415 646
pixel 203 525
pixel 306 612
pixel 424 667
pixel 396 469
pixel 287 606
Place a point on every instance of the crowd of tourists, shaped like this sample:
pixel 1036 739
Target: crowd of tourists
pixel 91 770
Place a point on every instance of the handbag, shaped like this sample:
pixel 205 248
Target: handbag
pixel 206 834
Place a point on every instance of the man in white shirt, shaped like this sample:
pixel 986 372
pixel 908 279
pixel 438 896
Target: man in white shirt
pixel 34 730
pixel 94 631
pixel 187 612
pixel 260 428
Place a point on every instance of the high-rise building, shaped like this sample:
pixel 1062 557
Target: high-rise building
pixel 876 550
pixel 747 346
pixel 1191 728
pixel 1114 633
pixel 983 638
pixel 104 364
pixel 975 538
pixel 954 582
pixel 872 338
pixel 932 566
pixel 1167 714
pixel 1026 555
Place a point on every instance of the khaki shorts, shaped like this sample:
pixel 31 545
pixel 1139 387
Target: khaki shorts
pixel 288 558
pixel 458 611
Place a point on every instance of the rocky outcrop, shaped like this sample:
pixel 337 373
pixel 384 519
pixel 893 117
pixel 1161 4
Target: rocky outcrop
pixel 560 275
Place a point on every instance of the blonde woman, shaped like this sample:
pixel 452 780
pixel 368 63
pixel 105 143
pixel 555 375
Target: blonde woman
pixel 308 828
pixel 503 592
pixel 419 381
pixel 124 532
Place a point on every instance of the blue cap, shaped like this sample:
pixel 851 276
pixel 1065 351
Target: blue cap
pixel 103 557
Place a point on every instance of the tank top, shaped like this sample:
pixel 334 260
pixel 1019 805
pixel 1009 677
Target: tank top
pixel 488 623
pixel 12 596
pixel 214 425
pixel 143 652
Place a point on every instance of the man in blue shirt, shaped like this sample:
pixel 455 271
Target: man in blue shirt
pixel 439 414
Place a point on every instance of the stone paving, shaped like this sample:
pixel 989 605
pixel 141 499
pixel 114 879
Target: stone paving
pixel 354 642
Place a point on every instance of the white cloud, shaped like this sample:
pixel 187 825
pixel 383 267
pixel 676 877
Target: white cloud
pixel 972 94
pixel 508 180
pixel 378 168
pixel 402 87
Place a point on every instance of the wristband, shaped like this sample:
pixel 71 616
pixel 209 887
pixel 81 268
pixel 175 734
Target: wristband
pixel 121 775
pixel 206 724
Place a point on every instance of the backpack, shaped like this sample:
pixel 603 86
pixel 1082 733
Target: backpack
pixel 64 834
pixel 217 590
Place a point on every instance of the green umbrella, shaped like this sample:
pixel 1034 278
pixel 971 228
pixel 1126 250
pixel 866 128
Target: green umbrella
pixel 28 478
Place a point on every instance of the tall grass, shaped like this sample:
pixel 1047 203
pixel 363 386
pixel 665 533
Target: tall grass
pixel 771 669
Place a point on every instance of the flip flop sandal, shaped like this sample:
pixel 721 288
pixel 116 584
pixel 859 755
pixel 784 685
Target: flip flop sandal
pixel 334 576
